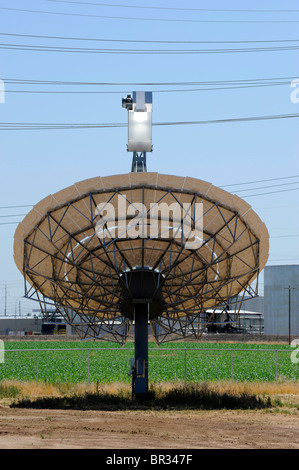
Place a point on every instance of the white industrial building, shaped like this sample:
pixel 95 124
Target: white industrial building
pixel 281 300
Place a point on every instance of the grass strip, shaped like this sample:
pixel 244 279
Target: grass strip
pixel 192 396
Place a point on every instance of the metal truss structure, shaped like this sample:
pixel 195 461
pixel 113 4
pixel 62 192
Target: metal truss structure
pixel 95 268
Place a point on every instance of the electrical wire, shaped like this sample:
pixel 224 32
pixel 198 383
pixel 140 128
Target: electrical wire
pixel 285 236
pixel 217 85
pixel 225 186
pixel 219 121
pixel 271 192
pixel 81 50
pixel 47 126
pixel 234 184
pixel 250 81
pixel 109 92
pixel 144 41
pixel 12 207
pixel 231 86
pixel 9 223
pixel 248 189
pixel 173 8
pixel 260 181
pixel 171 20
pixel 266 187
pixel 13 215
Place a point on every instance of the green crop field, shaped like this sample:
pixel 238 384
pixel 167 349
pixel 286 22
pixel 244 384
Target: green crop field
pixel 82 361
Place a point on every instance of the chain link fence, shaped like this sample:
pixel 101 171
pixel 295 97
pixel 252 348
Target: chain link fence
pixel 106 365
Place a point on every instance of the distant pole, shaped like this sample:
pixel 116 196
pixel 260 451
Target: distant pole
pixel 16 318
pixel 5 300
pixel 289 289
pixel 289 314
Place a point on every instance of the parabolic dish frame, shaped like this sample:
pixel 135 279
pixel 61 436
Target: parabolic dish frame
pixel 91 280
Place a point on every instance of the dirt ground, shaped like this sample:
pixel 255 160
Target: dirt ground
pixel 70 429
pixel 277 428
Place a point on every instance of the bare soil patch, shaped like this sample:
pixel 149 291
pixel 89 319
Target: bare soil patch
pixel 92 429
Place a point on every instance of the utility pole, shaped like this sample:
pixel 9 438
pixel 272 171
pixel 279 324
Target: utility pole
pixel 5 300
pixel 289 289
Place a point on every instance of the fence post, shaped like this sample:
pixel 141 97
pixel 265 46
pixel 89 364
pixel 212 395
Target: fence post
pixel 185 366
pixel 37 365
pixel 88 367
pixel 232 365
pixel 276 366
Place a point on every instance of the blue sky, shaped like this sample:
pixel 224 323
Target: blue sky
pixel 35 163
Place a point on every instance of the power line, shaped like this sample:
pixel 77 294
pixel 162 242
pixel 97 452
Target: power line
pixel 265 187
pixel 224 186
pixel 171 20
pixel 271 192
pixel 174 8
pixel 144 41
pixel 19 81
pixel 248 189
pixel 261 181
pixel 216 85
pixel 219 121
pixel 253 189
pixel 285 236
pixel 9 223
pixel 81 50
pixel 47 126
pixel 107 92
pixel 13 207
pixel 13 215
